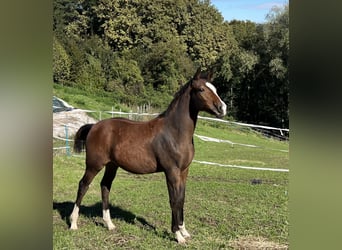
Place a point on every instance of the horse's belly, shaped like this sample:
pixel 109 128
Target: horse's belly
pixel 136 159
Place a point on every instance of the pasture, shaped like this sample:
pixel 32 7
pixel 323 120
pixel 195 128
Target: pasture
pixel 225 208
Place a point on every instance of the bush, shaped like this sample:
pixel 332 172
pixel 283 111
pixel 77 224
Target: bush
pixel 61 63
pixel 91 76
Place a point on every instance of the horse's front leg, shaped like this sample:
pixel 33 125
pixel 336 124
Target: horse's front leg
pixel 176 181
pixel 183 231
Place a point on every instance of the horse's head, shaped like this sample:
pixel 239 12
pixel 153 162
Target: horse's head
pixel 205 97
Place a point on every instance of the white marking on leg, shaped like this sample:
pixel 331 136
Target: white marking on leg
pixel 213 88
pixel 107 219
pixel 183 231
pixel 179 237
pixel 74 217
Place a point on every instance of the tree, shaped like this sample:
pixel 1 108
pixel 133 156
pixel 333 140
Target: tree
pixel 263 95
pixel 71 18
pixel 120 25
pixel 91 76
pixel 166 65
pixel 143 50
pixel 206 35
pixel 126 72
pixel 61 63
pixel 234 68
pixel 276 33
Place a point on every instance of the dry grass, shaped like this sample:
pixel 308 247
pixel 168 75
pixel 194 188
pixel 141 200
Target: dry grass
pixel 252 242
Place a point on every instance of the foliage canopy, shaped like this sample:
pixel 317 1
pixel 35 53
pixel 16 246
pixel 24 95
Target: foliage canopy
pixel 144 50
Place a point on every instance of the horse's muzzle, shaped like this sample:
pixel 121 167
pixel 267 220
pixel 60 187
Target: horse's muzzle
pixel 221 110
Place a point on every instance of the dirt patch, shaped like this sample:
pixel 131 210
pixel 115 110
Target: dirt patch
pixel 251 242
pixel 73 119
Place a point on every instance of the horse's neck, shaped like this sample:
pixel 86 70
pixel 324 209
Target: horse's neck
pixel 181 118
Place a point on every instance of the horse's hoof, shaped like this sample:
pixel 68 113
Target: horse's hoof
pixel 112 227
pixel 180 239
pixel 187 236
pixel 183 231
pixel 109 224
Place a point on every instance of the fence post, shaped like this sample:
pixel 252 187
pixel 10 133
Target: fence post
pixel 67 148
pixel 112 111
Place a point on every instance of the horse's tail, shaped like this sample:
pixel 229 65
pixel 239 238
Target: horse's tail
pixel 80 137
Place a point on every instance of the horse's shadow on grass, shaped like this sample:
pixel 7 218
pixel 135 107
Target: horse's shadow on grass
pixel 95 211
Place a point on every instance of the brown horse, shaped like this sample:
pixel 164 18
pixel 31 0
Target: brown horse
pixel 163 144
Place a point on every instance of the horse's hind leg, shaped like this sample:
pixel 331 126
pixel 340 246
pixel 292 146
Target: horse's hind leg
pixel 106 184
pixel 82 189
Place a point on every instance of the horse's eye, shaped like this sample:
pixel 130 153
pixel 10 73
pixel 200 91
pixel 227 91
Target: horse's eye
pixel 201 89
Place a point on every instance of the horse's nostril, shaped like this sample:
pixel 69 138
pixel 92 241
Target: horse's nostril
pixel 219 107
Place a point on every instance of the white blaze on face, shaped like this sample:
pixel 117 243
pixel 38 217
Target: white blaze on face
pixel 212 88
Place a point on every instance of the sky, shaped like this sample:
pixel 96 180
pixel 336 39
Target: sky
pixel 252 10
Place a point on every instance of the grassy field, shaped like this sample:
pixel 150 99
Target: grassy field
pixel 223 208
pixel 95 101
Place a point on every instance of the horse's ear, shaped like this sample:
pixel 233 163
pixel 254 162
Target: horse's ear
pixel 197 74
pixel 210 75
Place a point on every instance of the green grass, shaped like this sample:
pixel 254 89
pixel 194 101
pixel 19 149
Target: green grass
pixel 97 101
pixel 222 205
